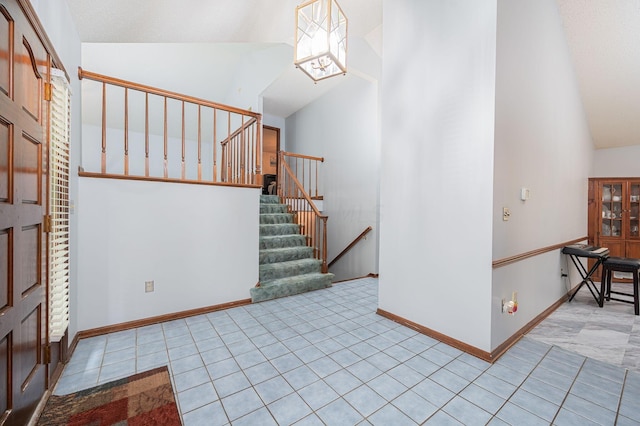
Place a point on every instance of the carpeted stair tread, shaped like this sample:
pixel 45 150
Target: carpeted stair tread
pixel 279 229
pixel 275 218
pixel 287 265
pixel 271 271
pixel 281 241
pixel 285 254
pixel 273 208
pixel 290 285
pixel 269 199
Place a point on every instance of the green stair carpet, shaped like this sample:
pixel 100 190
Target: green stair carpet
pixel 287 265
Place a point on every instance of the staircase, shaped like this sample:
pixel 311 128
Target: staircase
pixel 287 265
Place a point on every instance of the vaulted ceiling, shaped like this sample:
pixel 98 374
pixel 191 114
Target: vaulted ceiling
pixel 604 41
pixel 603 38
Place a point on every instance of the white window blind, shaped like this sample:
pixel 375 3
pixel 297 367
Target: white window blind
pixel 59 206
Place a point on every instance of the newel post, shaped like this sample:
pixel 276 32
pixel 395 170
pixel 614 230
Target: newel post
pixel 258 173
pixel 325 268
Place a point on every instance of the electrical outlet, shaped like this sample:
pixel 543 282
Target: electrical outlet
pixel 506 213
pixel 149 286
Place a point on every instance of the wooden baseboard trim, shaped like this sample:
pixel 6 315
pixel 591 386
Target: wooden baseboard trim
pixel 472 350
pixel 157 319
pixel 492 356
pixel 33 421
pixel 72 346
pixel 502 348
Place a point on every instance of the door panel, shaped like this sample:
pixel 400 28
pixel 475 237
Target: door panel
pixel 5 162
pixel 22 207
pixel 28 170
pixel 30 352
pixel 5 375
pixel 633 249
pixel 6 39
pixel 6 287
pixel 31 84
pixel 31 256
pixel 616 247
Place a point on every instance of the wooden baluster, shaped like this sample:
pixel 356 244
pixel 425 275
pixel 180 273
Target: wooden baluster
pixel 241 153
pixel 280 175
pixel 199 144
pixel 215 146
pixel 233 159
pixel 309 215
pixel 103 156
pixel 146 134
pixel 238 168
pixel 258 150
pixel 252 150
pixel 314 234
pixel 316 185
pixel 229 154
pixel 325 268
pixel 183 171
pixel 166 136
pixel 126 131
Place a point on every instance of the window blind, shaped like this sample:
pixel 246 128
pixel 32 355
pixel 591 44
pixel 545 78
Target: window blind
pixel 60 114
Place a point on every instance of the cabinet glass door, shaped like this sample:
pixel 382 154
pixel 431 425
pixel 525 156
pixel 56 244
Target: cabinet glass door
pixel 634 210
pixel 612 210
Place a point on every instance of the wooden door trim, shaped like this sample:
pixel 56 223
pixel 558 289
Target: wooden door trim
pixel 277 130
pixel 37 26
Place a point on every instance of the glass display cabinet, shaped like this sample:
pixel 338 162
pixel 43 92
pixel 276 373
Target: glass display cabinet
pixel 614 215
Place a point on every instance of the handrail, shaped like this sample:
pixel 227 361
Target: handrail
pixel 305 196
pixel 242 128
pixel 313 224
pixel 518 257
pixel 351 245
pixel 187 144
pixel 308 157
pixel 306 169
pixel 160 92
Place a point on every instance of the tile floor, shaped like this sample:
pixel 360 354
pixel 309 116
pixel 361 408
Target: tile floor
pixel 610 333
pixel 325 357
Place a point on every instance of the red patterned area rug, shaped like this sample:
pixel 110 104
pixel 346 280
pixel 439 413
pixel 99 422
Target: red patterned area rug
pixel 142 399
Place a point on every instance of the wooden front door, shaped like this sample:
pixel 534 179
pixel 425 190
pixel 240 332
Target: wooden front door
pixel 24 69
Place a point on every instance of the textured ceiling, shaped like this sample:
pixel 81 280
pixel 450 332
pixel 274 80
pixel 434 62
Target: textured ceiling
pixel 205 21
pixel 223 21
pixel 603 37
pixel 604 41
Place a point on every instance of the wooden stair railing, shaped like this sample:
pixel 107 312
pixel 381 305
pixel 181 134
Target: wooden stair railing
pixel 313 224
pixel 234 154
pixel 149 133
pixel 306 169
pixel 351 245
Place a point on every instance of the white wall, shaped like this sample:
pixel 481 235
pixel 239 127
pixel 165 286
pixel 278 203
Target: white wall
pixel 342 126
pixel 542 142
pixel 197 69
pixel 198 243
pixel 617 162
pixel 255 72
pixel 61 30
pixel 437 165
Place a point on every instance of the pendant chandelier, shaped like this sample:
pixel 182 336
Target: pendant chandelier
pixel 321 39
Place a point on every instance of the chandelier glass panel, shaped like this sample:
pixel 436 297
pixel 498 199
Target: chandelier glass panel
pixel 321 39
